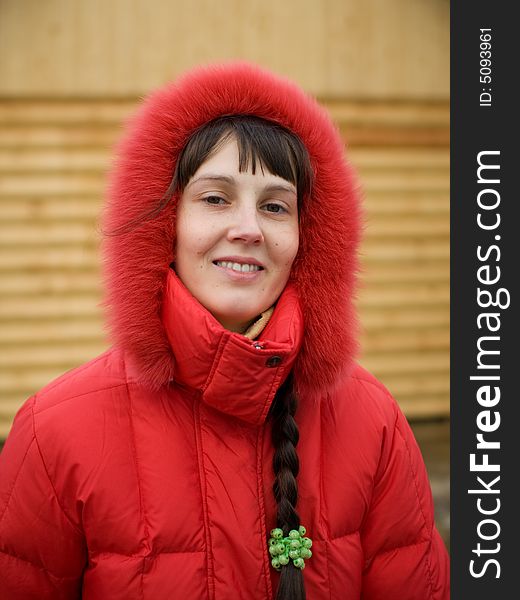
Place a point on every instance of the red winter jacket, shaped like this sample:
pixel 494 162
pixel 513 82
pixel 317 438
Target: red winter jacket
pixel 147 473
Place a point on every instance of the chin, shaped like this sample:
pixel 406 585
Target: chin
pixel 233 318
pixel 236 322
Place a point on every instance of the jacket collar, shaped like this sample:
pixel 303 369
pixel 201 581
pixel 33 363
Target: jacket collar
pixel 234 374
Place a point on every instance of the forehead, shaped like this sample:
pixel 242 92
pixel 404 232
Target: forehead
pixel 225 161
pixel 224 157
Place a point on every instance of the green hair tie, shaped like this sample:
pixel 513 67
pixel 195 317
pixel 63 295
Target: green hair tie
pixel 293 547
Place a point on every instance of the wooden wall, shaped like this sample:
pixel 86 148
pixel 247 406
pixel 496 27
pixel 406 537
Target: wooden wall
pixel 53 158
pixel 379 67
pixel 333 48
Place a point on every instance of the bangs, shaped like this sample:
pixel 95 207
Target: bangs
pixel 261 145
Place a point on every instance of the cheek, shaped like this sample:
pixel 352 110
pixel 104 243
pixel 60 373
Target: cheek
pixel 194 237
pixel 288 247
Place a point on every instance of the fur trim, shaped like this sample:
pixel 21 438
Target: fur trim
pixel 136 261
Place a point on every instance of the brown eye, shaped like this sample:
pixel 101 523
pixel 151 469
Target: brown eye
pixel 214 200
pixel 275 208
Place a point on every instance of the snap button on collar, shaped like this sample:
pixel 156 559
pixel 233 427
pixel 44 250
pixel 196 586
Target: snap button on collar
pixel 273 361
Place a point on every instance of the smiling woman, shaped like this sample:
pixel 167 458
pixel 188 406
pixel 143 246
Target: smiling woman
pixel 237 237
pixel 227 445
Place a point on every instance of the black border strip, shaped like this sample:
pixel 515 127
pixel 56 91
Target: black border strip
pixel 483 123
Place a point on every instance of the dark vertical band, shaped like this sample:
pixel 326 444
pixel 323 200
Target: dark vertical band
pixel 485 259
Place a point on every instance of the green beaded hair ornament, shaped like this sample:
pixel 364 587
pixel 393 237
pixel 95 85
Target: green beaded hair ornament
pixel 294 547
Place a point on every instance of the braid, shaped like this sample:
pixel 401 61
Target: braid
pixel 286 466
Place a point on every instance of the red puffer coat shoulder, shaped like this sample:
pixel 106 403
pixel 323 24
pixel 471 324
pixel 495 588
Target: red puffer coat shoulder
pixel 125 498
pixel 133 493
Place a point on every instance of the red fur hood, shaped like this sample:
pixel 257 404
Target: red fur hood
pixel 136 261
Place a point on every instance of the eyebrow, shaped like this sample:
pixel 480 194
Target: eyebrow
pixel 275 187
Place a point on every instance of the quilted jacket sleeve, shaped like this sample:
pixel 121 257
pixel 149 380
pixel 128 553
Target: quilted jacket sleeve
pixel 405 556
pixel 42 553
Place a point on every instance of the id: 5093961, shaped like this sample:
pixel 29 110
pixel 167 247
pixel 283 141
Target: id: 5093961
pixel 485 67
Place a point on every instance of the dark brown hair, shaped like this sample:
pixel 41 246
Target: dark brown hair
pixel 261 144
pixel 286 466
pixel 266 145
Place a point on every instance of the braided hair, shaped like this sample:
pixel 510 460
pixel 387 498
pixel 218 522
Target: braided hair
pixel 286 465
pixel 262 144
pixel 267 145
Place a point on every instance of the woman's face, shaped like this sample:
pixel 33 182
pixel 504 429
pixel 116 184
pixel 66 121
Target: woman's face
pixel 237 237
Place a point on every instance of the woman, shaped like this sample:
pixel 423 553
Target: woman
pixel 229 416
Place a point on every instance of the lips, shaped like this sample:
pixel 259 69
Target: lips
pixel 240 264
pixel 238 267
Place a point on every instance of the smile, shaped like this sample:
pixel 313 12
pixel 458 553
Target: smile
pixel 240 268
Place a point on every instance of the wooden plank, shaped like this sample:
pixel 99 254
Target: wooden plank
pixel 16 283
pixel 381 203
pixel 395 136
pixel 8 407
pixel 403 225
pixel 33 161
pixel 61 331
pixel 5 426
pixel 45 184
pixel 398 113
pixel 49 357
pixel 399 296
pixel 405 182
pixel 44 234
pixel 437 271
pixel 377 158
pixel 424 406
pixel 34 259
pixel 23 380
pixel 383 364
pixel 78 206
pixel 405 250
pixel 44 307
pixel 63 112
pixel 396 340
pixel 413 385
pixel 49 136
pixel 414 317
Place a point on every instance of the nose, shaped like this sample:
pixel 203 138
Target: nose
pixel 245 226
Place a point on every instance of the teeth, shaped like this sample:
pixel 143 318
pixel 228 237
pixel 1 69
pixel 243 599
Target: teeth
pixel 237 266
